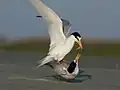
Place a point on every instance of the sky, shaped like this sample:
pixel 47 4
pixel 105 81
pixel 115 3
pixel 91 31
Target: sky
pixel 92 18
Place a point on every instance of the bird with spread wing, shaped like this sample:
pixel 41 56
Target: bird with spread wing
pixel 60 42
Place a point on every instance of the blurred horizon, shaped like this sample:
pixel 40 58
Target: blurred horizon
pixel 94 19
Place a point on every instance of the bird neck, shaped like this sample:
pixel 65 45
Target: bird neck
pixel 76 71
pixel 70 41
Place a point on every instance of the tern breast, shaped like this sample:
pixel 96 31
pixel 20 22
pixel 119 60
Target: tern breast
pixel 63 49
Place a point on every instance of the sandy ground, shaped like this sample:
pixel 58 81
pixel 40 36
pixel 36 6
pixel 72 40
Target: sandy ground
pixel 18 72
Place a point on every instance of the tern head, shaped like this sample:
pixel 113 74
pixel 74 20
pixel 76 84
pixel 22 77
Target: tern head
pixel 73 64
pixel 77 38
pixel 71 67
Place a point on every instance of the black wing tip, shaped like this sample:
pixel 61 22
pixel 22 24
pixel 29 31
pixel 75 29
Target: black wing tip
pixel 38 16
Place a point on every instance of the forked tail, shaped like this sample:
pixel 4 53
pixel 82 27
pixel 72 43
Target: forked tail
pixel 45 60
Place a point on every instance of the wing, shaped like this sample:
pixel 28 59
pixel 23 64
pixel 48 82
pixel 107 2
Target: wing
pixel 66 27
pixel 53 21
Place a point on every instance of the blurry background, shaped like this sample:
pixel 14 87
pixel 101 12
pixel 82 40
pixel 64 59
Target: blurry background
pixel 97 21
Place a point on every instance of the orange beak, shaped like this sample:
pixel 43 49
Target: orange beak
pixel 77 57
pixel 80 45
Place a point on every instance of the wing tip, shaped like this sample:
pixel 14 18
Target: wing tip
pixel 39 16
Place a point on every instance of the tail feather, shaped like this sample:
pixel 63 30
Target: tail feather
pixel 44 61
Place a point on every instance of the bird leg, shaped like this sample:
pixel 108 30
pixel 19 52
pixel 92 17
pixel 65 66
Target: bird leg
pixel 58 62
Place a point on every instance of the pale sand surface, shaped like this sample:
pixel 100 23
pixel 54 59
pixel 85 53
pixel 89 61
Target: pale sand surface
pixel 17 72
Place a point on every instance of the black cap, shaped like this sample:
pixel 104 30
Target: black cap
pixel 76 35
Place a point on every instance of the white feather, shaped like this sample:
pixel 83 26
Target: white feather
pixel 59 45
pixel 54 22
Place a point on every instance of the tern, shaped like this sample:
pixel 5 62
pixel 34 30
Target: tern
pixel 65 70
pixel 60 43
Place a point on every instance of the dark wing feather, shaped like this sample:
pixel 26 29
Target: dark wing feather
pixel 66 26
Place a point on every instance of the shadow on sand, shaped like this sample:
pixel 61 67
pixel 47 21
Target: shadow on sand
pixel 79 79
pixel 82 78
